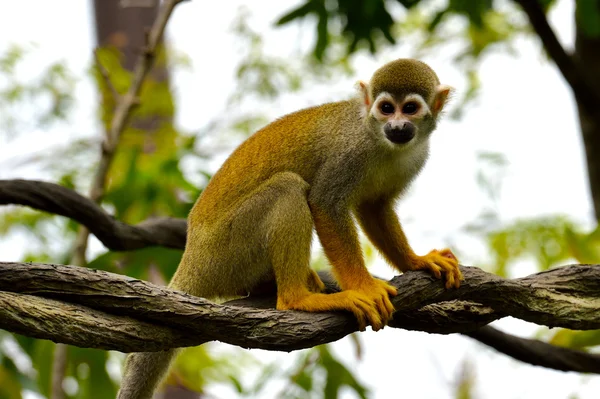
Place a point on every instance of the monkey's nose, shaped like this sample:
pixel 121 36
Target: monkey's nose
pixel 400 134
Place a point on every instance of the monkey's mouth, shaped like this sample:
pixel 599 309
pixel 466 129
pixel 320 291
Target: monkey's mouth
pixel 400 135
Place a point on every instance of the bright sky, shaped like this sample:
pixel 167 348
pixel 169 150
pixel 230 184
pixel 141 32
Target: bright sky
pixel 525 111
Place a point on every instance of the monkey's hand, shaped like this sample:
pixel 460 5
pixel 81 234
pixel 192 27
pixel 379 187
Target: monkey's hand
pixel 438 263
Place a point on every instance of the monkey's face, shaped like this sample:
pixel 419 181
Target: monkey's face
pixel 402 108
pixel 401 119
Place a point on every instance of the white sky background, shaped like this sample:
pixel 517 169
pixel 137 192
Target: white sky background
pixel 525 111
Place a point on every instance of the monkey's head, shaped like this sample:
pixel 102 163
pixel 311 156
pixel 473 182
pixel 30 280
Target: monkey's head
pixel 403 101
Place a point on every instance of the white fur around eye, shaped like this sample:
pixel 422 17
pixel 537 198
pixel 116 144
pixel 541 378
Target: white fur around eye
pixel 383 96
pixel 423 106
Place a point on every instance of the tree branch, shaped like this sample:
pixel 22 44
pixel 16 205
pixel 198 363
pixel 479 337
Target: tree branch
pixel 584 91
pixel 115 235
pixel 565 297
pixel 537 352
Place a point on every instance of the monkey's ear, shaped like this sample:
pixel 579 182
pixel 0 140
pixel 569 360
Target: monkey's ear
pixel 363 88
pixel 442 93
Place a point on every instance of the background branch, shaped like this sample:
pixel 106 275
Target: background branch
pixel 115 235
pixel 587 96
pixel 537 352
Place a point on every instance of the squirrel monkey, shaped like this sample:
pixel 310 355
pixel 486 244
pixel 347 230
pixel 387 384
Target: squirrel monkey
pixel 319 168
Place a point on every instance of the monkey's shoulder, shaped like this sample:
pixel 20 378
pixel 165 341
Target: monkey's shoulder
pixel 316 118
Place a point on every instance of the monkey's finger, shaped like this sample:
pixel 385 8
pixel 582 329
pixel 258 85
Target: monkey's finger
pixel 375 319
pixel 458 277
pixel 388 290
pixel 435 269
pixel 388 307
pixel 360 315
pixel 365 311
pixel 384 304
pixel 369 316
pixel 368 310
pixel 447 265
pixel 453 274
pixel 391 291
pixel 384 308
pixel 450 281
pixel 362 321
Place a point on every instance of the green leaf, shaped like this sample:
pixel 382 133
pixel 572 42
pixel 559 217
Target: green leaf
pixel 311 6
pixel 42 354
pixel 88 367
pixel 10 387
pixel 338 376
pixel 587 15
pixel 474 10
pixel 322 34
pixel 439 16
pixel 304 380
pixel 196 367
pixel 543 238
pixel 576 339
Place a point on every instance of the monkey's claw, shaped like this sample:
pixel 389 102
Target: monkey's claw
pixel 441 262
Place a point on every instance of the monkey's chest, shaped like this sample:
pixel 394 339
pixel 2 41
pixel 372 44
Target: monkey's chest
pixel 391 177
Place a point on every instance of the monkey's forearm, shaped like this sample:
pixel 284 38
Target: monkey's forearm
pixel 339 239
pixel 381 225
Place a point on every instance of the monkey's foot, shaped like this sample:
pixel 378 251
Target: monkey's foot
pixel 379 292
pixel 438 263
pixel 369 307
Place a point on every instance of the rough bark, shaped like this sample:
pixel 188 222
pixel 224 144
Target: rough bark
pixel 566 297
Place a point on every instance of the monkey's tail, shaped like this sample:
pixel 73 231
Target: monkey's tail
pixel 144 372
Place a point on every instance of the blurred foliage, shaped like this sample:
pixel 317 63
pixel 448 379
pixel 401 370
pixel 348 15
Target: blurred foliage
pixel 265 76
pixel 476 27
pixel 318 373
pixel 466 381
pixel 576 339
pixel 547 241
pixel 45 98
pixel 587 14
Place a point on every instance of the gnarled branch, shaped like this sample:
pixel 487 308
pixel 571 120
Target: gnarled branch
pixel 454 315
pixel 565 297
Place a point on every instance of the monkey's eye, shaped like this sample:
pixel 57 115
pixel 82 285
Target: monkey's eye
pixel 410 108
pixel 386 108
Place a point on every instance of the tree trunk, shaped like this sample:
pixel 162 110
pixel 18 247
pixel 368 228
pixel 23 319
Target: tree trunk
pixel 587 51
pixel 123 25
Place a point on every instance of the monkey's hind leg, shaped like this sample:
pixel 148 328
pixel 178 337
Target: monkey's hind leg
pixel 289 227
